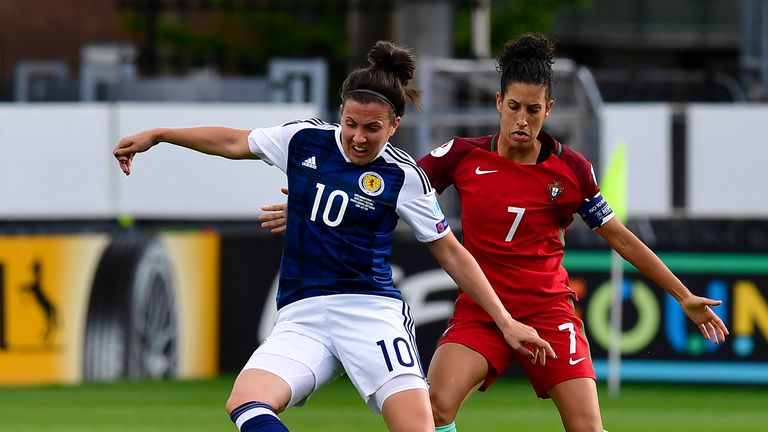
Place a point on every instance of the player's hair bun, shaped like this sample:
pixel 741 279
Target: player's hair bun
pixel 388 75
pixel 527 46
pixel 387 57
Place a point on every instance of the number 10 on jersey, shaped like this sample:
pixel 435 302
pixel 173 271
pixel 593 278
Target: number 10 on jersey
pixel 332 197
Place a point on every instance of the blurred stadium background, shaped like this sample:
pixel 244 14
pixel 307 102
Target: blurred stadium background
pixel 165 276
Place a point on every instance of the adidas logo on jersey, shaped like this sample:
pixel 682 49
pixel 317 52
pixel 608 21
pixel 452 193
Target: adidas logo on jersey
pixel 310 162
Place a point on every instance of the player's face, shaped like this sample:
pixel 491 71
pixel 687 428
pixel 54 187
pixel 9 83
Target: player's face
pixel 365 128
pixel 523 109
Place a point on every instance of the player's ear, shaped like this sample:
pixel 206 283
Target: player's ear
pixel 393 127
pixel 550 104
pixel 499 100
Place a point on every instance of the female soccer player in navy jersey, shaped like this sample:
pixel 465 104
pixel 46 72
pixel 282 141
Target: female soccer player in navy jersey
pixel 338 310
pixel 519 189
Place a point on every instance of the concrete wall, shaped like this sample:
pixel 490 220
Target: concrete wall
pixel 56 162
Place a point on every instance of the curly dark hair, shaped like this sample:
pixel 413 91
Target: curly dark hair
pixel 527 59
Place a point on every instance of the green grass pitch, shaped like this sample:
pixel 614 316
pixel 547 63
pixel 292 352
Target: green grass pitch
pixel 192 406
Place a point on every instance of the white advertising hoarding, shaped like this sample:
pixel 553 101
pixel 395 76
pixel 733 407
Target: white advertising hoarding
pixel 726 158
pixel 646 130
pixel 56 162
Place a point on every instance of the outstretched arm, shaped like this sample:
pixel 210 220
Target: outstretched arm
pixel 465 271
pixel 632 249
pixel 220 141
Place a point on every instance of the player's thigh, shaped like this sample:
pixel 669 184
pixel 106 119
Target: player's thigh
pixel 374 338
pixel 296 352
pixel 578 404
pixel 485 339
pixel 408 411
pixel 455 371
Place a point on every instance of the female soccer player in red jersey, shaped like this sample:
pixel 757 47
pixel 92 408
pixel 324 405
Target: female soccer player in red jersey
pixel 519 189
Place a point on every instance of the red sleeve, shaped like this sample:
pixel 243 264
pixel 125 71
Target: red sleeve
pixel 440 164
pixel 583 170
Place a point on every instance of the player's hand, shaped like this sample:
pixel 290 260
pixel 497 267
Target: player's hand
pixel 130 145
pixel 525 340
pixel 700 312
pixel 276 221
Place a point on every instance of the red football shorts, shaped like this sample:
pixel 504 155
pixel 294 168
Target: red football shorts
pixel 558 325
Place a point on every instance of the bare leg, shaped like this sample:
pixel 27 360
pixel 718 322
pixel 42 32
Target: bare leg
pixel 454 373
pixel 262 386
pixel 576 400
pixel 408 411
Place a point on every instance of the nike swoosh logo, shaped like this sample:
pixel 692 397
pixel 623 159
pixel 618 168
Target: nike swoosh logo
pixel 577 361
pixel 478 171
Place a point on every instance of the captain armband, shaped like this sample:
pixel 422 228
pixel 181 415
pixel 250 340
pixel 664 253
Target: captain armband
pixel 596 211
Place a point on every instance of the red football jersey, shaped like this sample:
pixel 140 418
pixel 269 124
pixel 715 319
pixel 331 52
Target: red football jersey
pixel 514 216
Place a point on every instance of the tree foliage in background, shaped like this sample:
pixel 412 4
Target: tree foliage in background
pixel 237 37
pixel 509 18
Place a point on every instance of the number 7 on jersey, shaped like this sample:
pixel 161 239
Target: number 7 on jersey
pixel 518 212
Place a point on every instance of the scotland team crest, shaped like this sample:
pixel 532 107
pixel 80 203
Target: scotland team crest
pixel 554 190
pixel 371 183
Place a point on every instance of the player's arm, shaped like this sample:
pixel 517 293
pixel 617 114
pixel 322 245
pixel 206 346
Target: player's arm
pixel 632 249
pixel 221 141
pixel 465 271
pixel 274 216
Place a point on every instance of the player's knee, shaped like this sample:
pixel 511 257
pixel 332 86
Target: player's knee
pixel 443 408
pixel 238 397
pixel 233 402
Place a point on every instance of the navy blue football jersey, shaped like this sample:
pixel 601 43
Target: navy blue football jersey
pixel 341 216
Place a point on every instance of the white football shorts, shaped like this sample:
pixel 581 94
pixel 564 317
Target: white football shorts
pixel 369 337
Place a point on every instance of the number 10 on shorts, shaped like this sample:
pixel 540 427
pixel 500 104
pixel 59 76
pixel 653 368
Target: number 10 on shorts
pixel 402 350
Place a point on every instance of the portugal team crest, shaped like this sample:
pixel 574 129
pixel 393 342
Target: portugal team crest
pixel 554 190
pixel 371 183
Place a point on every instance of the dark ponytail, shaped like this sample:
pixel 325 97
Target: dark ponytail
pixel 386 79
pixel 527 59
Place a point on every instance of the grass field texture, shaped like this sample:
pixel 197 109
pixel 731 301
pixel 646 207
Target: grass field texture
pixel 192 406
